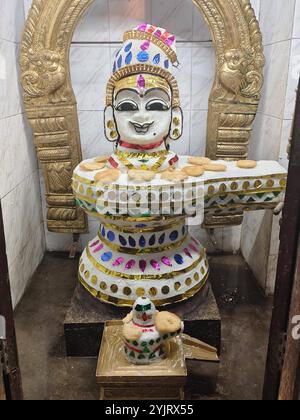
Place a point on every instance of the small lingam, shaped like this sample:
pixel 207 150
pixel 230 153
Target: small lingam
pixel 146 331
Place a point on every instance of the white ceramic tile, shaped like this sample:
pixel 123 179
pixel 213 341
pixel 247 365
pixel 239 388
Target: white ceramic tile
pixel 21 215
pixel 201 31
pixel 255 243
pixel 203 236
pixel 275 235
pixel 57 242
pixel 276 19
pixel 93 141
pixel 198 133
pixel 17 151
pixel 203 74
pixel 10 102
pixel 276 76
pixel 256 6
pixel 183 75
pixel 25 264
pixel 293 79
pixel 27 6
pixel 11 20
pixel 90 72
pixel 127 14
pixel 271 276
pixel 296 32
pixel 94 25
pixel 176 16
pixel 232 239
pixel 285 136
pixel 266 138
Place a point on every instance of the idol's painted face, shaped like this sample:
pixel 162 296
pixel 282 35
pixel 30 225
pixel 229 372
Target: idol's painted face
pixel 143 117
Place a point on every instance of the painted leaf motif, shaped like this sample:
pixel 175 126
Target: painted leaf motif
pixel 179 259
pixel 128 47
pixel 174 236
pixel 143 265
pixel 99 248
pixel 166 261
pixel 145 45
pixel 132 242
pixel 130 265
pixel 156 59
pixel 128 58
pixel 162 239
pixel 107 256
pixel 122 240
pixel 111 236
pixel 155 265
pixel 152 240
pixel 142 242
pixel 118 262
pixel 120 60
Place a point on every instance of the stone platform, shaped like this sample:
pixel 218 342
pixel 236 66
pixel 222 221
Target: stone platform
pixel 85 319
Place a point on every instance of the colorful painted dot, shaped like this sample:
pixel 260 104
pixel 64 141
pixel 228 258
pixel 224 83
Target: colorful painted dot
pixel 132 242
pixel 167 64
pixel 120 61
pixel 142 242
pixel 166 261
pixel 156 59
pixel 143 57
pixel 107 256
pixel 128 47
pixel 111 236
pixel 152 240
pixel 128 58
pixel 174 236
pixel 179 259
pixel 162 239
pixel 145 45
pixel 122 240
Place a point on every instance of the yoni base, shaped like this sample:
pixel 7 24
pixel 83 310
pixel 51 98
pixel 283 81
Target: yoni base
pixel 120 380
pixel 86 317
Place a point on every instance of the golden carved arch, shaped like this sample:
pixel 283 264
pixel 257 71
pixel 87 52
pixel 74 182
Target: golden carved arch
pixel 51 105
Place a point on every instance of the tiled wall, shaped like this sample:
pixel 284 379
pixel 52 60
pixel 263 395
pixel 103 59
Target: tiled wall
pixel 19 177
pixel 280 26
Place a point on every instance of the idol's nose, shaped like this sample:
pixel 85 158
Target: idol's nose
pixel 145 318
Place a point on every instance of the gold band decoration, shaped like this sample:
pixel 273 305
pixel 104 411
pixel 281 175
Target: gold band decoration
pixel 122 302
pixel 139 35
pixel 144 69
pixel 150 82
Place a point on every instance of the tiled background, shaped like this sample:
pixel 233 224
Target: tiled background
pixel 19 176
pixel 94 43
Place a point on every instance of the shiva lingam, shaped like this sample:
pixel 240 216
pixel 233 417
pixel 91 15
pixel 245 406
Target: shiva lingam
pixel 146 331
pixel 144 194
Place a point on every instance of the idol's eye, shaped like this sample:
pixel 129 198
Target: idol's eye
pixel 127 106
pixel 157 105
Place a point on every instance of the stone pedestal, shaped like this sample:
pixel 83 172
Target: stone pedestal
pixel 86 317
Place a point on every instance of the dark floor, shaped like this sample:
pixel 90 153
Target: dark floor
pixel 48 375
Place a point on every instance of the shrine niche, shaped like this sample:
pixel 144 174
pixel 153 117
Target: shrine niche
pixel 51 105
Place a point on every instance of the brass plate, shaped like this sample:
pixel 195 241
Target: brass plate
pixel 114 370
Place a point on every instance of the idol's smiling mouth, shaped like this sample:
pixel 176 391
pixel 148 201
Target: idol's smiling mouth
pixel 142 128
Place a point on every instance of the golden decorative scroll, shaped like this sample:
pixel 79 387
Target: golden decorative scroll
pixel 51 105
